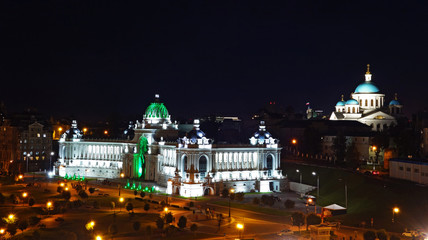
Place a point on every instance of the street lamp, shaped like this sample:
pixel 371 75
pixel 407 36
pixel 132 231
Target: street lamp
pixel 48 206
pixel 318 183
pixel 230 191
pixel 28 158
pixel 240 228
pixel 394 211
pixel 298 171
pixel 98 237
pixel 121 200
pixel 50 160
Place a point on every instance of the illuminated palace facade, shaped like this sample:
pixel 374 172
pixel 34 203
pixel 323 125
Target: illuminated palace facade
pixel 189 166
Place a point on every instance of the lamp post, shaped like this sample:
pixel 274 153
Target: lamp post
pixel 231 191
pixel 394 211
pixel 298 171
pixel 240 228
pixel 50 161
pixel 28 158
pixel 48 206
pixel 121 200
pixel 318 183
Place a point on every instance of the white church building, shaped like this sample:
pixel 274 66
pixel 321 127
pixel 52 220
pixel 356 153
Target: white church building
pixel 190 166
pixel 367 105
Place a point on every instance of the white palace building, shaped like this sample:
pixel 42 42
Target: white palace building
pixel 189 166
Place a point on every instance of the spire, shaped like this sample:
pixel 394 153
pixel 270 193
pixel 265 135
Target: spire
pixel 368 74
pixel 396 96
pixel 341 98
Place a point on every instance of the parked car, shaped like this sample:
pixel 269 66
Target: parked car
pixel 285 232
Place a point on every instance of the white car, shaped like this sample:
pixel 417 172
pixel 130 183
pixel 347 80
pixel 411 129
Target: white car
pixel 285 232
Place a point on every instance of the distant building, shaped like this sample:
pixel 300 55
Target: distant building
pixel 415 170
pixel 9 145
pixel 367 105
pixel 36 147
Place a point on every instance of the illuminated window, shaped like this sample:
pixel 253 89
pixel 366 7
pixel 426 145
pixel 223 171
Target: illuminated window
pixel 366 103
pixel 371 103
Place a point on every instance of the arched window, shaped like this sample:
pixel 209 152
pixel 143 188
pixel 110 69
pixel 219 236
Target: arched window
pixel 203 166
pixel 371 103
pixel 353 109
pixel 377 102
pixel 367 103
pixel 269 164
pixel 184 162
pixel 361 102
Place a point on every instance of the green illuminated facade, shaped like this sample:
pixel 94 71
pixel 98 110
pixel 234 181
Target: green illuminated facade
pixel 139 160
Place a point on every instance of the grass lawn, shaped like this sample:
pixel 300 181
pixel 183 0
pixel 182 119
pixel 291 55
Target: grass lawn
pixel 254 208
pixel 367 197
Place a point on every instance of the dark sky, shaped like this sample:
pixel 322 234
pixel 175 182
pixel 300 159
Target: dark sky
pixel 91 58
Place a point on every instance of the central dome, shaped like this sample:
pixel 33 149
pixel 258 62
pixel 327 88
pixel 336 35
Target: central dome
pixel 366 87
pixel 156 110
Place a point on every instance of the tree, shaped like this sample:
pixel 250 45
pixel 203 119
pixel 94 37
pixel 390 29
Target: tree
pixel 135 192
pixel 381 235
pixel 142 194
pixel 194 228
pixel 289 204
pixel 91 190
pixel 298 219
pixel 59 189
pixel 31 202
pixel 22 225
pixel 369 235
pixel 159 223
pixel 168 218
pixel 312 219
pixel 129 207
pixel 182 221
pixel 146 207
pixel 381 141
pixel 136 226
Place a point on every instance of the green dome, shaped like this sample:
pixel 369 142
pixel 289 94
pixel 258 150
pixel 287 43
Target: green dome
pixel 156 110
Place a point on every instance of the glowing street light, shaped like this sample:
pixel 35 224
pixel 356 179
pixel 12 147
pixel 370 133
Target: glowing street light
pixel 61 184
pixel 20 176
pixel 2 231
pixel 85 130
pixel 240 228
pixel 121 200
pixel 48 206
pixel 166 210
pixel 122 175
pixel 318 183
pixel 294 141
pixel 395 210
pixel 90 225
pixel 11 217
pixel 24 194
pixel 98 237
pixel 298 171
pixel 230 191
pixel 105 132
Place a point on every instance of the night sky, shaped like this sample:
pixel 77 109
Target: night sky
pixel 92 58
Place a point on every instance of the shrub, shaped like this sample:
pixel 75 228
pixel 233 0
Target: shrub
pixel 66 195
pixel 159 223
pixel 194 228
pixel 168 218
pixel 83 194
pixel 312 219
pixel 289 204
pixel 191 204
pixel 298 219
pixel 381 234
pixel 31 202
pixel 22 225
pixel 142 194
pixel 33 220
pixel 59 189
pixel 369 235
pixel 239 196
pixel 268 200
pixel 129 207
pixel 225 192
pixel 146 207
pixel 91 190
pixel 135 192
pixel 256 200
pixel 182 221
